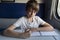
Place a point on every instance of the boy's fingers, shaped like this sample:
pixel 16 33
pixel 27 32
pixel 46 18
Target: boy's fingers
pixel 27 30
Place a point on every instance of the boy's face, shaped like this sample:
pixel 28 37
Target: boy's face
pixel 31 12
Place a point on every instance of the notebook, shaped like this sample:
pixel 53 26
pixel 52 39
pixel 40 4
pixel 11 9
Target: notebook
pixel 49 33
pixel 35 34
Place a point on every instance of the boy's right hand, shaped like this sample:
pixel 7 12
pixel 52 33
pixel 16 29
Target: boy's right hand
pixel 25 35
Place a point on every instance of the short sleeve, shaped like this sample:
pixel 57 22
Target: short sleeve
pixel 40 21
pixel 18 22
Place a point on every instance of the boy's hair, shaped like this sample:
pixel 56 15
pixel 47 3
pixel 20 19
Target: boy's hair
pixel 32 4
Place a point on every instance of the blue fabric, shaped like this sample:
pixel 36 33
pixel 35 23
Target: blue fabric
pixel 16 10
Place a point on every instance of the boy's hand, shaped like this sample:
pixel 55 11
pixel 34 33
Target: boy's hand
pixel 25 35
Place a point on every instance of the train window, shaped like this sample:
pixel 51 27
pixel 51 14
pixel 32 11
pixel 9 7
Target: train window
pixel 58 9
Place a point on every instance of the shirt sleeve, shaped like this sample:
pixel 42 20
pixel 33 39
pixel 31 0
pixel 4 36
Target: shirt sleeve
pixel 18 23
pixel 40 21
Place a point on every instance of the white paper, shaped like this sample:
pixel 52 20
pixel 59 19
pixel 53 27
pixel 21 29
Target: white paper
pixel 49 33
pixel 35 34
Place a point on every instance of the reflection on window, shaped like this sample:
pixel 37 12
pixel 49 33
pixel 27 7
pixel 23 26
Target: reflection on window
pixel 58 9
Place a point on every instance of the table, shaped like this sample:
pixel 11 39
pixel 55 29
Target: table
pixel 51 36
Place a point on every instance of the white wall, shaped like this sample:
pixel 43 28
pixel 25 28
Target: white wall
pixel 24 1
pixel 7 0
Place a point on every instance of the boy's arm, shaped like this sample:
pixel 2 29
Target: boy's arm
pixel 9 32
pixel 45 27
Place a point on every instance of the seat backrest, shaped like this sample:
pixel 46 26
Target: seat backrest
pixel 16 10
